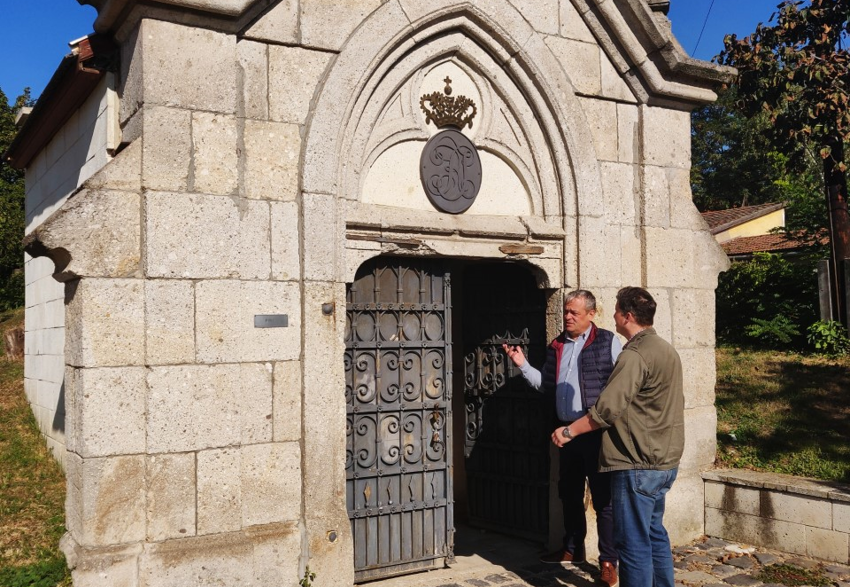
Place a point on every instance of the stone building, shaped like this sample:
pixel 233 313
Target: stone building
pixel 257 344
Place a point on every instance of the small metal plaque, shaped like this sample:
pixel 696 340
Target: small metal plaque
pixel 450 171
pixel 271 320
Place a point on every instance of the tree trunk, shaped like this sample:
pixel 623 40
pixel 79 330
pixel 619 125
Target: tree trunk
pixel 839 228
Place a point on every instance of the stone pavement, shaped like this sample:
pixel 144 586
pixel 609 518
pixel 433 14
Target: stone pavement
pixel 706 562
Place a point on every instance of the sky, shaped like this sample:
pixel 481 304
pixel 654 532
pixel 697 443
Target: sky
pixel 34 34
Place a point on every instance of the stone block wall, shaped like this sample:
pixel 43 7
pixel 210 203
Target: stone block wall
pixel 801 516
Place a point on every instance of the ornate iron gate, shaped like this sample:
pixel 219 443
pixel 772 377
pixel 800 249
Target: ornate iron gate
pixel 507 423
pixel 398 397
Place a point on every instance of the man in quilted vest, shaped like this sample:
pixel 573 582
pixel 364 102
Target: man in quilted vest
pixel 578 363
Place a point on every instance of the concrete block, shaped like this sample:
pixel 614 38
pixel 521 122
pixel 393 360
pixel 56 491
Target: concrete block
pixel 327 24
pixel 271 483
pixel 278 25
pixel 219 491
pixel 170 496
pixel 256 402
pixel 827 544
pixel 294 75
pixel 798 509
pixel 699 376
pixel 733 498
pixel 109 406
pixel 205 560
pixel 323 237
pixel 169 321
pixel 225 321
pixel 180 243
pixel 841 517
pixel 105 320
pixel 193 407
pixel 618 186
pixel 285 241
pixel 656 197
pixel 254 81
pixel 755 530
pixel 581 62
pixel 543 15
pixel 627 133
pixel 602 119
pixel 214 147
pixel 287 401
pixel 177 64
pixel 675 127
pixel 691 326
pixel 123 172
pixel 167 149
pixel 271 160
pixel 700 439
pixel 572 24
pixel 112 500
pixel 101 230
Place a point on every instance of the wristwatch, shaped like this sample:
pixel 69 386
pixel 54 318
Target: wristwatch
pixel 566 433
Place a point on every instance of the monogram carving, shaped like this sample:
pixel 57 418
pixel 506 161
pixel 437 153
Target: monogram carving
pixel 450 170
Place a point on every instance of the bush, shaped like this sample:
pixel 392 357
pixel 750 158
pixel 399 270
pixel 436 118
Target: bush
pixel 829 338
pixel 767 301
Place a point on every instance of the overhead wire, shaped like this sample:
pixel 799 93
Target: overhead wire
pixel 705 22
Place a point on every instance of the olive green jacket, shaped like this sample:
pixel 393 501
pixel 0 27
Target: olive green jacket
pixel 642 407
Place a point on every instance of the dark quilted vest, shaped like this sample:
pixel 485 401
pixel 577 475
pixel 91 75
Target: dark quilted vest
pixel 594 365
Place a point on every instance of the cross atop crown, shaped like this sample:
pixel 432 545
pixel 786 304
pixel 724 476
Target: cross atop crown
pixel 447 110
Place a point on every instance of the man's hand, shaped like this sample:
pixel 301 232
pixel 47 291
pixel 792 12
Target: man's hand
pixel 514 354
pixel 558 438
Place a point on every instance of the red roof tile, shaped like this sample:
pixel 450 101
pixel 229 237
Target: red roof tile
pixel 765 243
pixel 720 220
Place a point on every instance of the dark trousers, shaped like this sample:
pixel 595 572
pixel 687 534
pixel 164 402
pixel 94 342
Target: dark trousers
pixel 579 460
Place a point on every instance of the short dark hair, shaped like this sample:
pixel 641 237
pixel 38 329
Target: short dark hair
pixel 639 303
pixel 589 299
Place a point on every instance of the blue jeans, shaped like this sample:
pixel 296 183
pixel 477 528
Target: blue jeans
pixel 637 498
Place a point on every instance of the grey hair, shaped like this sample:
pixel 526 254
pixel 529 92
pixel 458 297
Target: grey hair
pixel 589 299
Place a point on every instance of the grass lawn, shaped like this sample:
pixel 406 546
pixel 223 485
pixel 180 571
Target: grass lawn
pixel 32 488
pixel 783 413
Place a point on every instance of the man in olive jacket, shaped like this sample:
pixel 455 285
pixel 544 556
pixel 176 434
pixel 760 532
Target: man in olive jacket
pixel 642 412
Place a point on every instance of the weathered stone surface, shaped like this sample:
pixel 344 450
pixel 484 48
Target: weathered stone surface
pixel 102 232
pixel 323 230
pixel 663 313
pixel 631 255
pixel 700 439
pixel 327 24
pixel 123 172
pixel 581 62
pixel 294 74
pixel 111 493
pixel 285 237
pixel 279 24
pixel 722 496
pixel 214 169
pixel 797 509
pixel 256 402
pixel 690 326
pixel 618 185
pixel 193 407
pixel 177 65
pixel 542 15
pixel 225 321
pixel 109 407
pixel 841 517
pixel 181 243
pixel 741 562
pixel 602 119
pixel 167 150
pixel 683 213
pixel 697 577
pixel 679 519
pixel 675 127
pixel 669 257
pixel 254 81
pixel 271 483
pixel 277 554
pixel 171 494
pixel 219 491
pixel 287 401
pixel 103 567
pixel 270 163
pixel 755 530
pixel 169 321
pixel 225 559
pixel 573 25
pixel 613 85
pixel 743 580
pixel 105 323
pixel 627 133
pixel 656 197
pixel 699 376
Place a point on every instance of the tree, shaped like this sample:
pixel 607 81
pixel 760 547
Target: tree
pixel 12 218
pixel 797 73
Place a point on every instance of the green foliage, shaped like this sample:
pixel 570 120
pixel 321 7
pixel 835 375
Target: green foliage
pixel 44 573
pixel 308 578
pixel 829 338
pixel 767 301
pixel 793 576
pixel 11 210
